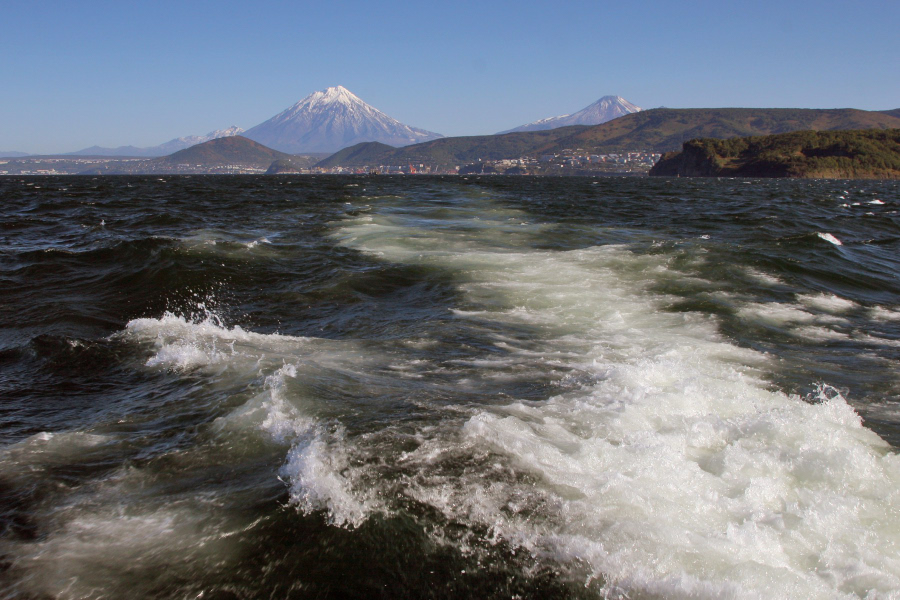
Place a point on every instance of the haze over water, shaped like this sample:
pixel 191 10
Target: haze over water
pixel 450 387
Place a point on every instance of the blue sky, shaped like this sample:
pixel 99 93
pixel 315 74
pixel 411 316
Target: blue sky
pixel 75 74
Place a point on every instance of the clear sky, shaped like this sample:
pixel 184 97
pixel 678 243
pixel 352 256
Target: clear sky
pixel 78 73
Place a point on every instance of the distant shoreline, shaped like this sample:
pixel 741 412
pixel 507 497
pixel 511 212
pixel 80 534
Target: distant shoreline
pixel 848 154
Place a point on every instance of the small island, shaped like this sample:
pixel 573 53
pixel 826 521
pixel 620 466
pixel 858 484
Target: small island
pixel 852 154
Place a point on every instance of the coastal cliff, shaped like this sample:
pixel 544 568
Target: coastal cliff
pixel 854 154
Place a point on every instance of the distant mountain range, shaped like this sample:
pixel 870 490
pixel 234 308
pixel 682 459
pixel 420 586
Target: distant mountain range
pixel 333 119
pixel 605 109
pixel 655 130
pixel 324 121
pixel 161 150
pixel 12 154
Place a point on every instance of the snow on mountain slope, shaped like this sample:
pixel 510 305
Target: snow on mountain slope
pixel 330 120
pixel 192 140
pixel 163 149
pixel 605 109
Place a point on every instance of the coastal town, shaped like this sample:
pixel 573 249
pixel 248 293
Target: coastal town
pixel 58 165
pixel 565 162
pixel 572 162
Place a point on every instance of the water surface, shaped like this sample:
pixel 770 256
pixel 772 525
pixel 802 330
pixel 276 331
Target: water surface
pixel 328 387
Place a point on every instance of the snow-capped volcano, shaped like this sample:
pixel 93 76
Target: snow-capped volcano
pixel 605 109
pixel 330 120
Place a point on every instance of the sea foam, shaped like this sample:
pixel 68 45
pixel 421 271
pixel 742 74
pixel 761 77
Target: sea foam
pixel 315 458
pixel 673 470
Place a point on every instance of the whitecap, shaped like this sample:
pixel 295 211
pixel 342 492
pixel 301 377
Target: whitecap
pixel 318 468
pixel 829 303
pixel 183 344
pixel 830 238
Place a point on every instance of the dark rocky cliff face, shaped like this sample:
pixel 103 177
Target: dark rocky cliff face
pixel 845 154
pixel 698 158
pixel 693 160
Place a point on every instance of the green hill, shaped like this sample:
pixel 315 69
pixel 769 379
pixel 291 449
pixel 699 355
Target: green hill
pixel 869 154
pixel 449 151
pixel 298 163
pixel 365 153
pixel 664 129
pixel 222 155
pixel 221 152
pixel 658 130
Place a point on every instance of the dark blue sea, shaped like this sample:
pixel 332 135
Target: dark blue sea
pixel 245 387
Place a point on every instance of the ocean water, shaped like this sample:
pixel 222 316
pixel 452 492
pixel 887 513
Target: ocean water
pixel 364 387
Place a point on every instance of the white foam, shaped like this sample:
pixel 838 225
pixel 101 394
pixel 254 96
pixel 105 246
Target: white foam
pixel 46 449
pixel 821 334
pixel 876 340
pixel 228 245
pixel 275 412
pixel 672 470
pixel 775 313
pixel 880 313
pixel 763 277
pixel 129 523
pixel 828 303
pixel 90 540
pixel 316 467
pixel 183 344
pixel 321 480
pixel 255 243
pixel 785 315
pixel 813 317
pixel 665 503
pixel 284 416
pixel 830 238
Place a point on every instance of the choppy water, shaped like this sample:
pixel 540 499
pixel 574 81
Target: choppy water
pixel 328 387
